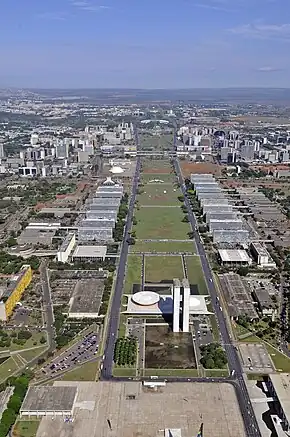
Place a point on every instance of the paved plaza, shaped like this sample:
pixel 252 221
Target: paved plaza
pixel 127 409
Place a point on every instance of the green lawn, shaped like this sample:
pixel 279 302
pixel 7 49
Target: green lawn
pixel 159 194
pixel 156 165
pixel 251 339
pixel 172 372
pixel 118 371
pixel 163 246
pixel 216 373
pixel 29 355
pixel 215 328
pixel 86 372
pixel 133 273
pixel 165 178
pixel 36 336
pixel 161 223
pixel 281 362
pixel 26 428
pixel 158 268
pixel 8 367
pixel 195 274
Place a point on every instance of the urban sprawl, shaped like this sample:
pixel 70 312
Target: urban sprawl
pixel 144 268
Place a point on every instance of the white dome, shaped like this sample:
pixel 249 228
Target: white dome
pixel 194 302
pixel 145 298
pixel 116 170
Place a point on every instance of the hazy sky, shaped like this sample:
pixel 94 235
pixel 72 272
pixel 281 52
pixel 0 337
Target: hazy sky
pixel 144 43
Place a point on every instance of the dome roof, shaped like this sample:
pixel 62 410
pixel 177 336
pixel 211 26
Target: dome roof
pixel 116 170
pixel 145 298
pixel 194 302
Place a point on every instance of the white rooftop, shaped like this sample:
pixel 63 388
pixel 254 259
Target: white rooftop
pixel 116 170
pixel 90 252
pixel 146 298
pixel 234 255
pixel 164 305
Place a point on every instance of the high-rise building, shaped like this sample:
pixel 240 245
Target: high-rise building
pixel 34 139
pixel 176 304
pixel 61 149
pixel 2 154
pixel 185 305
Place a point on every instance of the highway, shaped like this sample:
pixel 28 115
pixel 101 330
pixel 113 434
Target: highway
pixel 47 306
pixel 247 411
pixel 112 330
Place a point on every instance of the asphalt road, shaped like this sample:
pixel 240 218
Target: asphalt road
pixel 247 411
pixel 112 331
pixel 47 306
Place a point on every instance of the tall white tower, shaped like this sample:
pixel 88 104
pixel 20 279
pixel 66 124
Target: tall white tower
pixel 176 304
pixel 185 305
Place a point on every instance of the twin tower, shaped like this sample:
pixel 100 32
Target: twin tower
pixel 181 293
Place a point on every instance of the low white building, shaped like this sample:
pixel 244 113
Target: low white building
pixel 89 253
pixel 49 401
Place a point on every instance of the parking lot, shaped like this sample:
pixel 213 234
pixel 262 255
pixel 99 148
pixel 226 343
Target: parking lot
pixel 82 351
pixel 255 358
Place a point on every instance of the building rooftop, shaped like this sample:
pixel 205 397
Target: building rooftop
pixel 260 249
pixel 66 241
pixel 86 298
pixel 47 398
pixel 234 255
pixel 238 297
pixel 90 252
pixel 281 384
pixel 14 281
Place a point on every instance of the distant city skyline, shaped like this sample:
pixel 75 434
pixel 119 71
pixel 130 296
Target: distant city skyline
pixel 173 44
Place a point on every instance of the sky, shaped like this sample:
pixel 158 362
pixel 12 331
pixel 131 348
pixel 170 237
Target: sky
pixel 144 43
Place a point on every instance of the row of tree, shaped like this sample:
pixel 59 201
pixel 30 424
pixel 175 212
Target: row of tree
pixel 125 353
pixel 9 416
pixel 121 219
pixel 106 295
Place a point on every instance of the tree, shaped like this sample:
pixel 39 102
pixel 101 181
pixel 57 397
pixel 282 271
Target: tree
pixel 243 271
pixel 24 335
pixel 42 340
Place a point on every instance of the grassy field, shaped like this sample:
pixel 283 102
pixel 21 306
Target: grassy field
pixel 167 178
pixel 163 268
pixel 163 246
pixel 172 372
pixel 31 342
pixel 8 367
pixel 216 373
pixel 157 166
pixel 29 355
pixel 161 223
pixel 159 194
pixel 195 274
pixel 281 362
pixel 86 372
pixel 26 428
pixel 133 274
pixel 117 371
